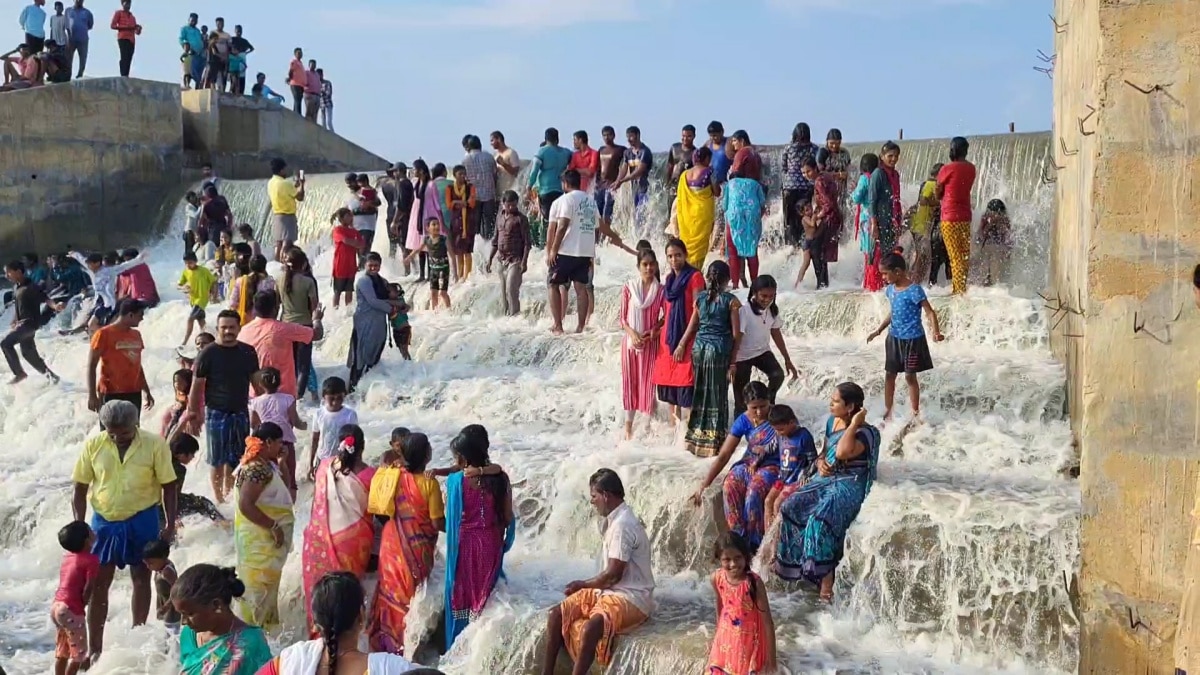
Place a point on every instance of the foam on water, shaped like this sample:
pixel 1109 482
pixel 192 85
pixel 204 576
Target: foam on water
pixel 962 560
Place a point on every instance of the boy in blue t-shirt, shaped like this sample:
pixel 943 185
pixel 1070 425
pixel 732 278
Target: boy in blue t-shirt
pixel 907 350
pixel 797 452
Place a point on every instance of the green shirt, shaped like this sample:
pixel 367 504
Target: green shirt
pixel 199 282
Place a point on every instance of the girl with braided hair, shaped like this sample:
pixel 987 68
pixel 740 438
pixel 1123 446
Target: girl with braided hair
pixel 337 610
pixel 213 639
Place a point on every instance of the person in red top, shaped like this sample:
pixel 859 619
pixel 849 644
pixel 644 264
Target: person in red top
pixel 137 283
pixel 117 350
pixel 273 340
pixel 312 91
pixel 954 183
pixel 297 80
pixel 76 577
pixel 127 27
pixel 746 161
pixel 347 243
pixel 674 380
pixel 585 160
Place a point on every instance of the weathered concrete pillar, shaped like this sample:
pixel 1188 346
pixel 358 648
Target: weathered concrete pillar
pixel 1125 240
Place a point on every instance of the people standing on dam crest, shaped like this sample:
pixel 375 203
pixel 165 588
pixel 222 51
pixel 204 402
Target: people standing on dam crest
pixel 33 22
pixel 127 28
pixel 80 23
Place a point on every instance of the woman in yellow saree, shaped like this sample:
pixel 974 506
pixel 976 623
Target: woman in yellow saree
pixel 408 543
pixel 262 526
pixel 696 207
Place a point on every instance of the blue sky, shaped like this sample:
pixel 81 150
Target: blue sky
pixel 412 76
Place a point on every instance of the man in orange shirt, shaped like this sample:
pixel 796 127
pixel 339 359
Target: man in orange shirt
pixel 117 350
pixel 127 27
pixel 585 160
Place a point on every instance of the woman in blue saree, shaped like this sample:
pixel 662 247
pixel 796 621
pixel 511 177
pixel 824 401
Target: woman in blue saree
pixel 480 529
pixel 818 514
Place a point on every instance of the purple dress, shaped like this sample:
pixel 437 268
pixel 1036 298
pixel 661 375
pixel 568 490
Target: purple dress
pixel 480 551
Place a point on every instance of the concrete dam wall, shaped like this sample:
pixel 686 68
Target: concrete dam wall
pixel 1124 243
pixel 100 163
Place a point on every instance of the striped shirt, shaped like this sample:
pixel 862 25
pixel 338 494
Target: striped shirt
pixel 481 172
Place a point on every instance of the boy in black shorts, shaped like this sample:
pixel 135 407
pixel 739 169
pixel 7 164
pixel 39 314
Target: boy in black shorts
pixel 435 246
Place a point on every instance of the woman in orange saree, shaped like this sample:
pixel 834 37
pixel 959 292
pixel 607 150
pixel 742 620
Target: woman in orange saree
pixel 408 543
pixel 340 532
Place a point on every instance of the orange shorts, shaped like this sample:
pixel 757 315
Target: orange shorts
pixel 620 616
pixel 71 641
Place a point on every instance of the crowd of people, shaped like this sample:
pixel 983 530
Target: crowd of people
pixel 687 340
pixel 211 59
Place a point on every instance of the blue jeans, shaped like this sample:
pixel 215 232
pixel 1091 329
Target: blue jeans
pixel 199 61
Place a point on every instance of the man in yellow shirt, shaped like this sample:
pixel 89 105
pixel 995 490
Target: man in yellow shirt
pixel 127 473
pixel 284 194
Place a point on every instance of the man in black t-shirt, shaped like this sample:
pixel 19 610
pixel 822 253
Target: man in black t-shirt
pixel 27 302
pixel 222 374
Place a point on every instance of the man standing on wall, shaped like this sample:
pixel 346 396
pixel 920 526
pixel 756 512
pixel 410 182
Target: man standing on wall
pixel 79 25
pixel 326 100
pixel 243 47
pixel 126 25
pixel 33 22
pixel 312 91
pixel 296 79
pixel 284 194
pixel 189 35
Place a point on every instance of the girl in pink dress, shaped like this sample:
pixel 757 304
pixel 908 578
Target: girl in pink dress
pixel 641 321
pixel 744 643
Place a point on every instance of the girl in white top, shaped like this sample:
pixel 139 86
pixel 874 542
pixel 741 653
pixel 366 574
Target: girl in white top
pixel 760 325
pixel 271 405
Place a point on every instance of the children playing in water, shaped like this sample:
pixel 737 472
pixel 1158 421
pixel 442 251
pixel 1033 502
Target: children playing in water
pixel 435 246
pixel 907 350
pixel 76 577
pixel 401 329
pixel 797 452
pixel 347 244
pixel 744 642
pixel 184 447
pixel 157 558
pixel 995 242
pixel 199 283
pixel 271 405
pixel 327 420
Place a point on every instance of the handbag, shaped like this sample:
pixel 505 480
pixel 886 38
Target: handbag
pixel 381 501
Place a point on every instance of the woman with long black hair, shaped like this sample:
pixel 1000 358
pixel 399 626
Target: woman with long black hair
pixel 374 305
pixel 427 204
pixel 717 332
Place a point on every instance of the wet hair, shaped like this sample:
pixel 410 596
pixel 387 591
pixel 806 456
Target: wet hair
pixel 781 414
pixel 265 303
pixel 439 170
pixel 73 536
pixel 184 444
pixel 733 541
pixel 715 127
pixel 890 146
pixel 756 391
pixel 702 155
pixel 608 482
pixel 337 604
pixel 801 133
pixel 339 214
pixel 894 261
pixel 571 179
pixel 716 279
pixel 997 206
pixel 332 386
pixel 156 550
pixel 633 130
pixel 582 135
pixel 400 433
pixel 510 197
pixel 648 254
pixel 762 282
pixel 809 162
pixel 416 451
pixel 472 444
pixel 269 378
pixel 296 261
pixel 351 454
pixel 268 431
pixel 205 584
pixel 868 163
pixel 958 148
pixel 834 134
pixel 852 395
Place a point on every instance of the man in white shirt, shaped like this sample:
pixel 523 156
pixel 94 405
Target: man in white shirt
pixel 615 601
pixel 571 248
pixel 508 164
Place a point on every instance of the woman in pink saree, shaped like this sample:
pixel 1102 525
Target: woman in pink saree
pixel 427 203
pixel 340 532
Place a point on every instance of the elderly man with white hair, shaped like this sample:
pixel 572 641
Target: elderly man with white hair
pixel 127 476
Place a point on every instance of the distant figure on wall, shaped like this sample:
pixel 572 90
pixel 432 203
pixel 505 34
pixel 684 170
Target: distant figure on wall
pixel 80 22
pixel 127 27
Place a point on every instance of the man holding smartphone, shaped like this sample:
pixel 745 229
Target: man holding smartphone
pixel 284 196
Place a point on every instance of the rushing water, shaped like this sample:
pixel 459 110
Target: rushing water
pixel 962 560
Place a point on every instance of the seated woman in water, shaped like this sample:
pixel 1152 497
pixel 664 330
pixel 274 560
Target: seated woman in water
pixel 337 608
pixel 751 478
pixel 340 532
pixel 818 514
pixel 214 641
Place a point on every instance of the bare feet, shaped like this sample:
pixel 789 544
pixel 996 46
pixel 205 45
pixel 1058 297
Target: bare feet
pixel 18 379
pixel 887 416
pixel 579 328
pixel 557 330
pixel 827 589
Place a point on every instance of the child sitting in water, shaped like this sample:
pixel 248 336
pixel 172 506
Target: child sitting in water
pixel 401 329
pixel 76 578
pixel 744 641
pixel 907 350
pixel 797 452
pixel 271 405
pixel 157 558
pixel 184 447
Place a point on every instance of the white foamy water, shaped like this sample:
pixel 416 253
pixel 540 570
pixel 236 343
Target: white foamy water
pixel 962 560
